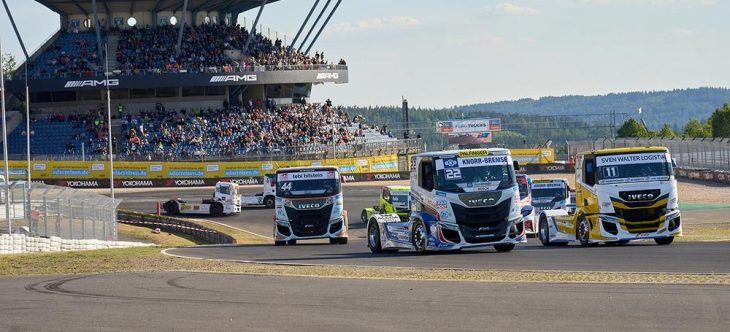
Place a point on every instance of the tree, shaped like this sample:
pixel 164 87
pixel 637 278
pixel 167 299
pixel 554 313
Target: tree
pixel 720 122
pixel 694 128
pixel 632 128
pixel 666 132
pixel 9 64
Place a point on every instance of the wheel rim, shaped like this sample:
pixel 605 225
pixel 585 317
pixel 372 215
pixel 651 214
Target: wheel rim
pixel 583 231
pixel 419 235
pixel 373 237
pixel 363 216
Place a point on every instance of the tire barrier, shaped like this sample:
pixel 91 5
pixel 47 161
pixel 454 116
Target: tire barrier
pixel 21 243
pixel 174 225
pixel 706 175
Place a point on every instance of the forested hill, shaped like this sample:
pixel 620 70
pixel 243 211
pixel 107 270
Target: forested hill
pixel 674 107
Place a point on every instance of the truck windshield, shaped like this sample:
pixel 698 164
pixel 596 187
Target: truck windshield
pixel 554 193
pixel 633 168
pixel 296 185
pixel 399 198
pixel 474 174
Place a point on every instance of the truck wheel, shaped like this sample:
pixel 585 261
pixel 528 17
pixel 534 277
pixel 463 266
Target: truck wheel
pixel 171 208
pixel 269 202
pixel 504 247
pixel 663 241
pixel 419 236
pixel 543 231
pixel 583 232
pixel 364 217
pixel 374 238
pixel 279 243
pixel 291 242
pixel 216 209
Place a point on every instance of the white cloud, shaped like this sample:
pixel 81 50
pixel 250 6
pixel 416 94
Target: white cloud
pixel 375 23
pixel 683 32
pixel 665 3
pixel 509 9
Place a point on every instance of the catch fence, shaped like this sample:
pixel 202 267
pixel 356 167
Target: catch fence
pixel 68 213
pixel 701 153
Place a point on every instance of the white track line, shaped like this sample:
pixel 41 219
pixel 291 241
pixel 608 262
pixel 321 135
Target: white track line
pixel 236 228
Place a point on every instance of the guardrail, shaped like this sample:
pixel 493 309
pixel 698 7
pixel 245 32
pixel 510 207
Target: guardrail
pixel 174 225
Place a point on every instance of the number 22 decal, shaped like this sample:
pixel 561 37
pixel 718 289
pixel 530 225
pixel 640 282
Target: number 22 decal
pixel 453 173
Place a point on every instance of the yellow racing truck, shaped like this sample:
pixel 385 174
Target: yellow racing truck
pixel 622 194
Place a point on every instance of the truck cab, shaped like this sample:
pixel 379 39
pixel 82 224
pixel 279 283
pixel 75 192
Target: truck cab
pixel 225 201
pixel 621 194
pixel 393 199
pixel 524 184
pixel 460 199
pixel 309 205
pixel 265 198
pixel 550 194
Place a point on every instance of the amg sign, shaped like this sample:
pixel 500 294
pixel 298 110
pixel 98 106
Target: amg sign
pixel 233 78
pixel 328 76
pixel 91 83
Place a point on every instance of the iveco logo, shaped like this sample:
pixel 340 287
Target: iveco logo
pixel 640 197
pixel 450 162
pixel 91 83
pixel 328 76
pixel 481 201
pixel 309 206
pixel 233 78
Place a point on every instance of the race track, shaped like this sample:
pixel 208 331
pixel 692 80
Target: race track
pixel 688 257
pixel 203 301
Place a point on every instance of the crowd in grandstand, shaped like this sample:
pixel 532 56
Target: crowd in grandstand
pixel 153 50
pixel 91 129
pixel 256 128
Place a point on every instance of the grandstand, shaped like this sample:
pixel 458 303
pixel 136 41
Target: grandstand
pixel 197 83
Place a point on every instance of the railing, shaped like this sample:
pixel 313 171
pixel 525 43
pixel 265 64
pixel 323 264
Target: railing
pixel 302 152
pixel 707 153
pixel 203 70
pixel 174 225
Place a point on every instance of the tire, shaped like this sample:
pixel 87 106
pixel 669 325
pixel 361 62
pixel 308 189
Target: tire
pixel 291 242
pixel 279 243
pixel 504 247
pixel 543 231
pixel 216 209
pixel 364 217
pixel 374 238
pixel 663 241
pixel 172 208
pixel 583 232
pixel 419 236
pixel 269 202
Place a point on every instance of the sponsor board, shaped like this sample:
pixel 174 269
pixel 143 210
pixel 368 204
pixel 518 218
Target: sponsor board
pixel 243 181
pixel 383 176
pixel 91 83
pixel 185 182
pixel 267 166
pixel 39 167
pixel 185 173
pixel 242 172
pixel 468 126
pixel 134 183
pixel 548 185
pixel 70 171
pixel 362 162
pixel 303 176
pixel 233 78
pixel 384 165
pixel 328 76
pixel 156 168
pixel 633 158
pixel 212 168
pixel 97 167
pixel 121 172
pixel 346 169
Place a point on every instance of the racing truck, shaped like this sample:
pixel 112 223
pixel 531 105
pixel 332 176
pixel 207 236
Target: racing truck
pixel 622 194
pixel 460 199
pixel 225 201
pixel 524 183
pixel 550 194
pixel 266 198
pixel 393 199
pixel 309 205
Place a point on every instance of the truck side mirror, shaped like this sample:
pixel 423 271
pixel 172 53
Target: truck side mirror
pixel 674 163
pixel 516 165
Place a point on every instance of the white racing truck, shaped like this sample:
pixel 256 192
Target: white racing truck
pixel 266 198
pixel 460 199
pixel 225 201
pixel 309 205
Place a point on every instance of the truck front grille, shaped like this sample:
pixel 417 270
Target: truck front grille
pixel 309 222
pixel 483 224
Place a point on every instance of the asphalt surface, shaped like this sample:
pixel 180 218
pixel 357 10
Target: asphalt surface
pixel 645 256
pixel 198 301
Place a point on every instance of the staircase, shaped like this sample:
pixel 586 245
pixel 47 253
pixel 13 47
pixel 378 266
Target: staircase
pixel 112 40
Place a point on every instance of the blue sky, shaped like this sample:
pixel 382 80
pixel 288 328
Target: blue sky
pixel 443 53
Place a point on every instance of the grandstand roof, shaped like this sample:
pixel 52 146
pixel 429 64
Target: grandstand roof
pixel 84 7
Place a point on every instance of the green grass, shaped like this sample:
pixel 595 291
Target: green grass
pixel 144 234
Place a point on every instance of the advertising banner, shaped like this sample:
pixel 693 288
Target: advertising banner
pixel 470 138
pixel 468 126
